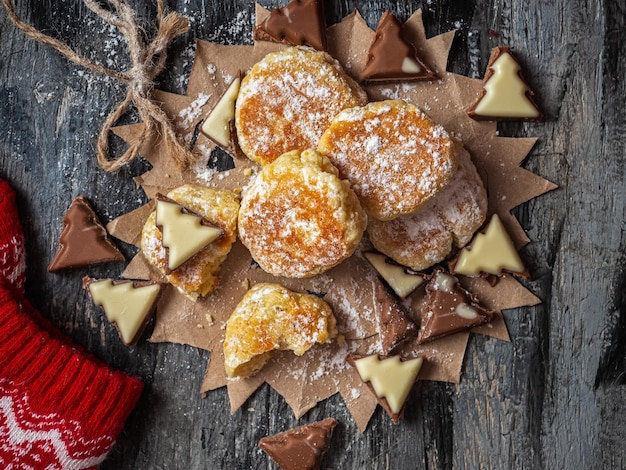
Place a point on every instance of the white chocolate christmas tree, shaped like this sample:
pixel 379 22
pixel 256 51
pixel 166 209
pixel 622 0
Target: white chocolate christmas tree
pixel 184 233
pixel 506 95
pixel 125 304
pixel 492 252
pixel 217 125
pixel 398 277
pixel 390 378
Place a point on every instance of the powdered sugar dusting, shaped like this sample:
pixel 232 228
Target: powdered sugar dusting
pixel 297 219
pixel 187 116
pixel 352 312
pixel 204 166
pixel 428 236
pixel 332 360
pixel 287 101
pixel 394 155
pixel 236 31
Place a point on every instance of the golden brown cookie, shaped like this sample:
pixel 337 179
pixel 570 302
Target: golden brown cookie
pixel 271 318
pixel 288 99
pixel 197 276
pixel 395 156
pixel 298 219
pixel 448 221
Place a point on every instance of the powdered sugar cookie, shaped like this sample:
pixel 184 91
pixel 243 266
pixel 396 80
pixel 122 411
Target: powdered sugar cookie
pixel 288 99
pixel 448 221
pixel 395 156
pixel 270 318
pixel 197 276
pixel 298 219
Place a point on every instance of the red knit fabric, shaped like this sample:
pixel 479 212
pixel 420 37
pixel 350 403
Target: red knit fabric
pixel 12 259
pixel 60 408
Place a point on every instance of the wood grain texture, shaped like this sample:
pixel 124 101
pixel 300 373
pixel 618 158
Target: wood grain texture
pixel 555 397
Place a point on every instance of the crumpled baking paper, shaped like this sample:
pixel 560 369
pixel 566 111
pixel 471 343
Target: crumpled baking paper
pixel 321 372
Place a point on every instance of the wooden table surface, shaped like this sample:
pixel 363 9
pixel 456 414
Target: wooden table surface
pixel 555 397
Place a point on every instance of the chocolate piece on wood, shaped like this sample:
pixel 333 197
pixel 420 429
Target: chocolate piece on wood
pixel 390 57
pixel 394 326
pixel 300 448
pixel 300 23
pixel 448 308
pixel 390 378
pixel 491 253
pixel 83 241
pixel 128 305
pixel 505 96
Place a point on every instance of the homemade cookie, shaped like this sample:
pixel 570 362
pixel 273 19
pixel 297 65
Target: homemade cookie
pixel 198 275
pixel 288 99
pixel 428 236
pixel 395 156
pixel 270 318
pixel 298 219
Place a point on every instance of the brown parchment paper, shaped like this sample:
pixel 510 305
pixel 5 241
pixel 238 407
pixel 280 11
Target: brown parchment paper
pixel 322 372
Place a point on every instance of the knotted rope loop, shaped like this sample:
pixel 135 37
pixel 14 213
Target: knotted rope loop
pixel 148 59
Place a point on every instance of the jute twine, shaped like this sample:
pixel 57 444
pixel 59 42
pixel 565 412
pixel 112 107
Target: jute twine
pixel 148 60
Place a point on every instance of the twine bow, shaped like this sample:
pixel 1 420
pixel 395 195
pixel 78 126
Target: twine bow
pixel 148 60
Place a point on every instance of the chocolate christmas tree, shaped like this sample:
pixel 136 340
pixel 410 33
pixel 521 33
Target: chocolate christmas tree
pixel 84 240
pixel 391 57
pixel 506 95
pixel 300 448
pixel 300 23
pixel 448 308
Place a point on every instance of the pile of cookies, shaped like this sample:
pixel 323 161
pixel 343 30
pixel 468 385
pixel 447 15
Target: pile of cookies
pixel 337 176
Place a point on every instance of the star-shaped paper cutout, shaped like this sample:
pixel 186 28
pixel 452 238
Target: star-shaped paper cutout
pixel 320 373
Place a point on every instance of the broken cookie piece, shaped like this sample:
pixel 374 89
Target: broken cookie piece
pixel 394 326
pixel 83 241
pixel 402 280
pixel 271 318
pixel 184 233
pixel 198 275
pixel 300 23
pixel 491 252
pixel 505 95
pixel 448 308
pixel 390 378
pixel 300 448
pixel 391 57
pixel 219 125
pixel 126 304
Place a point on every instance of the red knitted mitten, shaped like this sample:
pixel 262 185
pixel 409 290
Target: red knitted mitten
pixel 60 408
